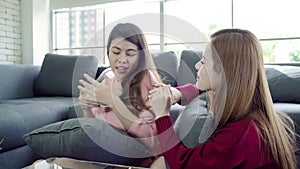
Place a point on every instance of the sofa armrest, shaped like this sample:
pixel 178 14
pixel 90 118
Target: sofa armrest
pixel 17 81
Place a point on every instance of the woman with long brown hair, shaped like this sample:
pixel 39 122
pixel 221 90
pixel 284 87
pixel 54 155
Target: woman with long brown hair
pixel 248 132
pixel 122 99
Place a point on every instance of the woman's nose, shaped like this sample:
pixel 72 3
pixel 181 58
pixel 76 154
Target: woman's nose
pixel 122 58
pixel 197 65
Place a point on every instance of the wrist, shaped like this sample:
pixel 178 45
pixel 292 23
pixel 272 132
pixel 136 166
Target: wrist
pixel 113 100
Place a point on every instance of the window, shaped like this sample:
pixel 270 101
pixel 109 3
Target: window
pixel 186 24
pixel 275 23
pixel 85 30
pixel 204 15
pixel 74 31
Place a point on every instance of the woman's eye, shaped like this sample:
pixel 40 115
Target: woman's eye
pixel 202 61
pixel 131 53
pixel 116 52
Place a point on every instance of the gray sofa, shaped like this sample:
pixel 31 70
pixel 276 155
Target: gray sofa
pixel 28 100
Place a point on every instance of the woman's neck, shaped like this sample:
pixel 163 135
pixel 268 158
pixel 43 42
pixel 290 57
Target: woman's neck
pixel 210 100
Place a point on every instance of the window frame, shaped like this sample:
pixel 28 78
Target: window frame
pixel 163 45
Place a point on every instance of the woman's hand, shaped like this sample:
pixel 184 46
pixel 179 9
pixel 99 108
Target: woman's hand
pixel 175 93
pixel 160 99
pixel 93 93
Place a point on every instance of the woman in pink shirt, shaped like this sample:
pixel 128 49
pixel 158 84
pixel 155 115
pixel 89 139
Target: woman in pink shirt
pixel 133 76
pixel 248 133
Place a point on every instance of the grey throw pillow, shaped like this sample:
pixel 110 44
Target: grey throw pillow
pixel 87 139
pixel 194 125
pixel 60 74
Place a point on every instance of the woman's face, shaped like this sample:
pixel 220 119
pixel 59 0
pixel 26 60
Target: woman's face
pixel 123 57
pixel 206 74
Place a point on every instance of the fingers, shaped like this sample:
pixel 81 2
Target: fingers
pixel 108 76
pixel 160 92
pixel 90 79
pixel 87 95
pixel 88 105
pixel 86 84
pixel 86 91
pixel 154 91
pixel 87 101
pixel 87 88
pixel 160 99
pixel 158 85
pixel 84 104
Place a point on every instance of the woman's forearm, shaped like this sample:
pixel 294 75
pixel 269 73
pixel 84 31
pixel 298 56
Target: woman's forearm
pixel 122 112
pixel 188 93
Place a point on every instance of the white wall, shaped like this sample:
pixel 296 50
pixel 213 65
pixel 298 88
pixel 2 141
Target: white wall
pixel 35 30
pixel 26 27
pixel 10 32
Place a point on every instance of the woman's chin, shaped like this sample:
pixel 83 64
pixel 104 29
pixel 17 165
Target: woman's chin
pixel 120 76
pixel 198 85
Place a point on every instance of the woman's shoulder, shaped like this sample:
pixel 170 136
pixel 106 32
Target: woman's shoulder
pixel 239 132
pixel 240 126
pixel 246 121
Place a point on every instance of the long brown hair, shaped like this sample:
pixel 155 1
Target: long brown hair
pixel 248 94
pixel 131 93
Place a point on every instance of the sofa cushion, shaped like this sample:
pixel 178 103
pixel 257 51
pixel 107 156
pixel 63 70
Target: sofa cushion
pixel 192 122
pixel 21 116
pixel 166 64
pixel 24 155
pixel 16 81
pixel 87 139
pixel 60 74
pixel 284 82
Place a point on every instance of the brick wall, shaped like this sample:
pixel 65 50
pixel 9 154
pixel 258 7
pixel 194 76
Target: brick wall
pixel 10 32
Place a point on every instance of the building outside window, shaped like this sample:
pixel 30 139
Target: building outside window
pixel 82 30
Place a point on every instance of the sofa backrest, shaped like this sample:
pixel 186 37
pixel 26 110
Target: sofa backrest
pixel 167 66
pixel 284 83
pixel 60 74
pixel 17 81
pixel 187 71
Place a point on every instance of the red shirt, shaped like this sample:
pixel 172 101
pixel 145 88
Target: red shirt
pixel 237 145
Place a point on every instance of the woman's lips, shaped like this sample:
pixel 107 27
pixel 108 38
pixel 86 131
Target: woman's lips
pixel 121 69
